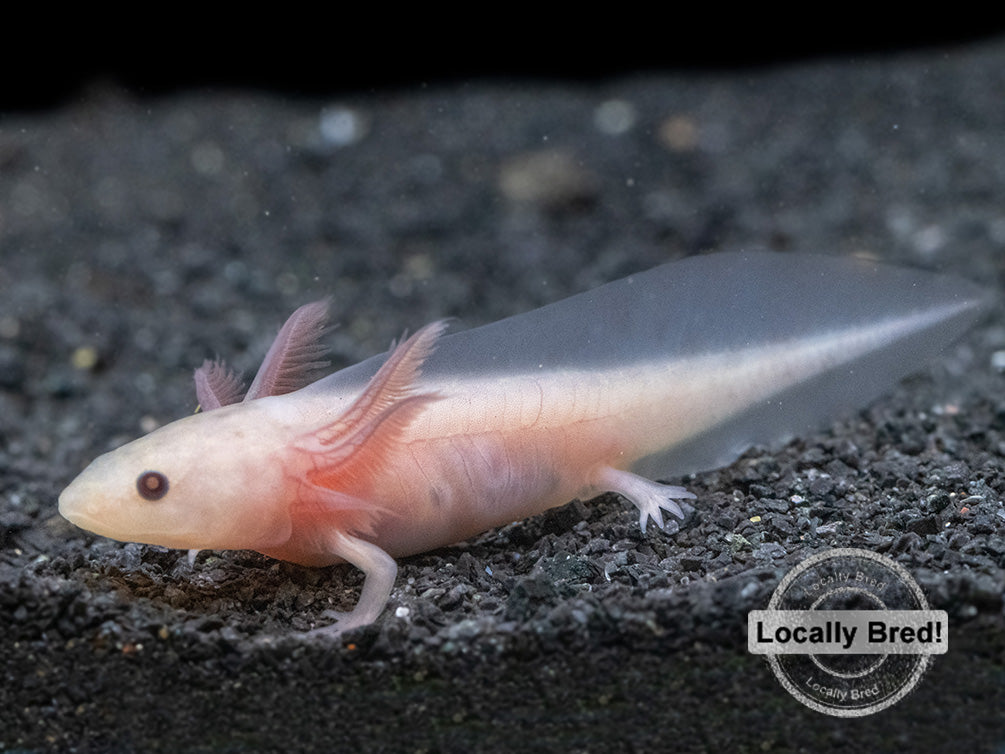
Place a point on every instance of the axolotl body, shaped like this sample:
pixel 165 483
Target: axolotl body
pixel 664 373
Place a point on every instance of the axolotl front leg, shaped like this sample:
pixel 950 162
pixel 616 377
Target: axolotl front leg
pixel 379 571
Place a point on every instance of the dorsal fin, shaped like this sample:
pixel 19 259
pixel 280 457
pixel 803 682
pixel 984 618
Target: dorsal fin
pixel 295 356
pixel 361 437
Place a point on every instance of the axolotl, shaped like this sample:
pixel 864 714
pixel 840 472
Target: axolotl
pixel 664 373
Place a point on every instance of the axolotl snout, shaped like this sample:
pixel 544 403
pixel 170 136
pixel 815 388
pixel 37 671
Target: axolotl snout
pixel 667 372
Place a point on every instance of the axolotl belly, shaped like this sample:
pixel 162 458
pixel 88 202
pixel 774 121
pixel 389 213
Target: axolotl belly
pixel 661 374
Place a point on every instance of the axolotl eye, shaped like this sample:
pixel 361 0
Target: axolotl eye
pixel 152 485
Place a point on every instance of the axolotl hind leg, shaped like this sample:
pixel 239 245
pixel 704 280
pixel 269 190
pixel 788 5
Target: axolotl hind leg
pixel 651 498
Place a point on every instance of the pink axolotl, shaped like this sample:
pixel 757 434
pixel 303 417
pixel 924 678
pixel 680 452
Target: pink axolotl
pixel 664 373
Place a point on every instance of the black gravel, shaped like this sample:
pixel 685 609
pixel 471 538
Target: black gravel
pixel 139 237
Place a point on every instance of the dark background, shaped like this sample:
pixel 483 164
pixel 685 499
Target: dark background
pixel 357 52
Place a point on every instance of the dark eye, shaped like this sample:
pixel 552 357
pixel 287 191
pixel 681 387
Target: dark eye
pixel 152 485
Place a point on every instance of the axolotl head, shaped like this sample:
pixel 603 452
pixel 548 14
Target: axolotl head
pixel 209 481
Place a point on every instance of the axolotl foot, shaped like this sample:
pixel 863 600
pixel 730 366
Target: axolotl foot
pixel 651 498
pixel 340 623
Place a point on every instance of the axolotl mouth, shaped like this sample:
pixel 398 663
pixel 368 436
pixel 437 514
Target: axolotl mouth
pixel 83 505
pixel 76 508
pixel 76 505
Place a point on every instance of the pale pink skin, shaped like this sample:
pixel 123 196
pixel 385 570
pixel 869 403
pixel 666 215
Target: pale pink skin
pixel 373 464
